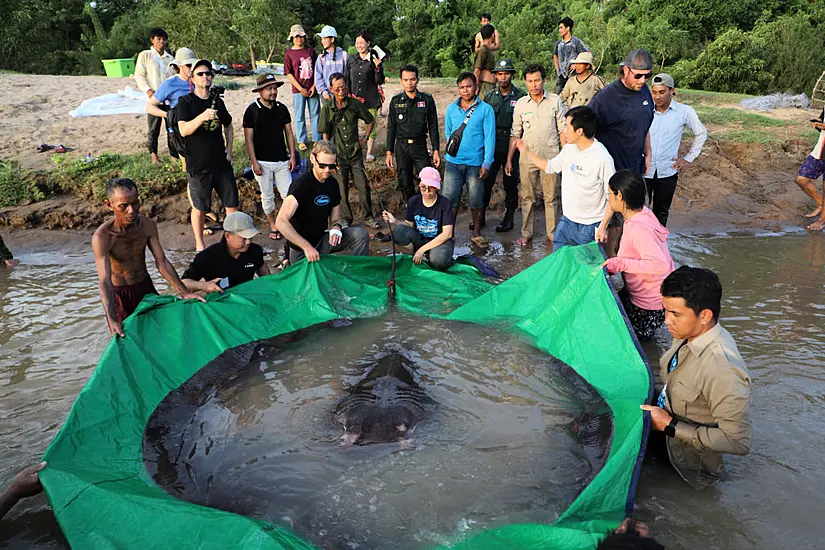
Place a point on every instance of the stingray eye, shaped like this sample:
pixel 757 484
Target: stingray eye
pixel 401 427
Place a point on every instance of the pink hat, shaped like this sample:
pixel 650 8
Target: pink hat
pixel 430 176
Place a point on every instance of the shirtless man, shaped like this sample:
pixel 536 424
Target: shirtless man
pixel 120 256
pixel 484 19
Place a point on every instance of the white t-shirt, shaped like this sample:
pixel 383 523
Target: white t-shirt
pixel 584 177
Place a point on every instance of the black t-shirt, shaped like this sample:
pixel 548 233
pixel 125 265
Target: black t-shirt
pixel 315 203
pixel 214 262
pixel 205 148
pixel 430 220
pixel 623 119
pixel 268 124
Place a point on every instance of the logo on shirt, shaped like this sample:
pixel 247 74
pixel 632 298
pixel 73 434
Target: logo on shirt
pixel 426 226
pixel 248 266
pixel 322 200
pixel 305 68
pixel 512 103
pixel 644 102
pixel 421 104
pixel 575 168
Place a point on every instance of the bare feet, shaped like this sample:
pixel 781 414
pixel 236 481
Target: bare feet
pixel 155 159
pixel 524 241
pixel 815 212
pixel 11 262
pixel 818 225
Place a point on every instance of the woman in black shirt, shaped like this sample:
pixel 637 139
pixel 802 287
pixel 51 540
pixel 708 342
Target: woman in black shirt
pixel 366 74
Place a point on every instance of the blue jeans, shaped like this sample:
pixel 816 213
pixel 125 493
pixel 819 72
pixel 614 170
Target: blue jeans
pixel 440 257
pixel 314 106
pixel 570 233
pixel 455 175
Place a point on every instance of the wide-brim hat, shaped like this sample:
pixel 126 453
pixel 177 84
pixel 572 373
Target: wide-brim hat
pixel 266 80
pixel 584 57
pixel 296 30
pixel 184 56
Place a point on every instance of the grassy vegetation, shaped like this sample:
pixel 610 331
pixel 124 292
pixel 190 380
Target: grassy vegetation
pixel 726 116
pixel 761 137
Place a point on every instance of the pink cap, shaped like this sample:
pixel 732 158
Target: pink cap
pixel 430 176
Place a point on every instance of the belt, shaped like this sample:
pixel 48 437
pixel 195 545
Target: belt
pixel 411 141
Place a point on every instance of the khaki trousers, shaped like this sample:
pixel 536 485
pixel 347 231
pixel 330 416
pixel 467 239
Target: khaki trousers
pixel 531 177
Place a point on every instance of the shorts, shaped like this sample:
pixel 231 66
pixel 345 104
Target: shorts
pixel 222 181
pixel 812 168
pixel 570 233
pixel 127 297
pixel 644 321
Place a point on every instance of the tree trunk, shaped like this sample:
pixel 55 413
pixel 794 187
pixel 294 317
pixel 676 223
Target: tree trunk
pixel 252 56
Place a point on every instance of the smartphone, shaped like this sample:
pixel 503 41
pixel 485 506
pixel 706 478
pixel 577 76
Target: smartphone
pixel 224 283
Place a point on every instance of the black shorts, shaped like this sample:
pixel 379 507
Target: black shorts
pixel 222 181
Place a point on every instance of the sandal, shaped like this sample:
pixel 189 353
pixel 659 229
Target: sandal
pixel 275 235
pixel 524 241
pixel 479 241
pixel 372 224
pixel 283 265
pixel 302 147
pixel 212 216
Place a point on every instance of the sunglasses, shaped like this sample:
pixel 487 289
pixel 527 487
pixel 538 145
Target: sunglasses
pixel 204 73
pixel 332 166
pixel 426 188
pixel 639 76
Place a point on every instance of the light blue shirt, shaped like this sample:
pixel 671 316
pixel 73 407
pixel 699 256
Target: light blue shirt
pixel 325 67
pixel 666 136
pixel 171 90
pixel 478 143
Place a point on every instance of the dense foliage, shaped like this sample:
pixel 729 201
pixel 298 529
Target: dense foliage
pixel 751 46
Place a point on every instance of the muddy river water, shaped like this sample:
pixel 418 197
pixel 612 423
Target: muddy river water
pixel 52 333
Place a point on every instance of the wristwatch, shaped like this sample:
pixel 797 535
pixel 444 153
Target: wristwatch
pixel 670 429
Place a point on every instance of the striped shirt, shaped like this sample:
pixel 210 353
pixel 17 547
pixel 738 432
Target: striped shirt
pixel 666 135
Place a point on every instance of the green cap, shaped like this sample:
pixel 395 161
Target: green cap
pixel 504 65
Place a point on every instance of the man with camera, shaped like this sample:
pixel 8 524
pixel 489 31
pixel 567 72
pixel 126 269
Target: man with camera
pixel 201 115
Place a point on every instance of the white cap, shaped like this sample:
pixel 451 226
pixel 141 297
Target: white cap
pixel 241 224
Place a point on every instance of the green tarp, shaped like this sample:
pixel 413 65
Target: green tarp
pixel 103 496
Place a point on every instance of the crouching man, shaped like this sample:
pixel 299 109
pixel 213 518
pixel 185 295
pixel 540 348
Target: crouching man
pixel 703 407
pixel 429 223
pixel 313 201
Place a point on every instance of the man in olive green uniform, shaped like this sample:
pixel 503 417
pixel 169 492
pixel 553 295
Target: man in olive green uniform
pixel 503 101
pixel 339 123
pixel 485 62
pixel 412 116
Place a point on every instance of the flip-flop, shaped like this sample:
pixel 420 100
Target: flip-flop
pixel 302 146
pixel 479 241
pixel 372 224
pixel 275 235
pixel 283 265
pixel 212 216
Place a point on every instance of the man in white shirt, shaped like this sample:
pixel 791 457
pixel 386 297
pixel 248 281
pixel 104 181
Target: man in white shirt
pixel 669 121
pixel 585 167
pixel 151 69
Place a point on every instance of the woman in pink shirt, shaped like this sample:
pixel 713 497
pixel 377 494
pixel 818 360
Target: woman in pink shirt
pixel 643 257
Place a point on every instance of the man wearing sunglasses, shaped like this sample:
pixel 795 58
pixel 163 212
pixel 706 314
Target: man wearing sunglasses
pixel 208 155
pixel 624 113
pixel 313 202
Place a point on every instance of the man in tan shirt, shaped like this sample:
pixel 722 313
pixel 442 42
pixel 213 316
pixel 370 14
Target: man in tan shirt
pixel 151 69
pixel 703 407
pixel 538 119
pixel 582 86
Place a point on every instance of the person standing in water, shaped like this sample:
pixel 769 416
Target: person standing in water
pixel 119 247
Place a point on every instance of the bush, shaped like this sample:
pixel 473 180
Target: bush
pixel 734 62
pixel 17 186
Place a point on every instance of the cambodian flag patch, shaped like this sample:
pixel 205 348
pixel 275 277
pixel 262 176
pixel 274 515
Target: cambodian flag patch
pixel 512 103
pixel 421 104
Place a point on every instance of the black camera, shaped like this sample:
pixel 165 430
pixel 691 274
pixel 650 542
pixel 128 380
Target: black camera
pixel 216 92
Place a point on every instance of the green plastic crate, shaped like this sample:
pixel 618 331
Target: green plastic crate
pixel 116 68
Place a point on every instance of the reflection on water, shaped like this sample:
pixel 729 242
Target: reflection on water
pixel 253 433
pixel 52 333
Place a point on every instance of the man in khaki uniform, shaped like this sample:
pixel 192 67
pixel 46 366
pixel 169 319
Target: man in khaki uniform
pixel 538 119
pixel 582 86
pixel 703 407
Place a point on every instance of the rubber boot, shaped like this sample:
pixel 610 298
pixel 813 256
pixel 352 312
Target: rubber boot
pixel 506 223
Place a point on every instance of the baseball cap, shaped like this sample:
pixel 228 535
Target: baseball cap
pixel 664 79
pixel 638 60
pixel 267 80
pixel 200 62
pixel 430 176
pixel 241 224
pixel 328 31
pixel 184 56
pixel 296 30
